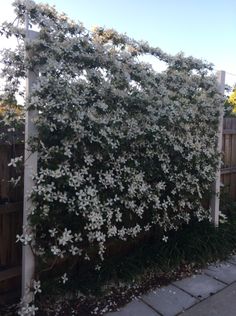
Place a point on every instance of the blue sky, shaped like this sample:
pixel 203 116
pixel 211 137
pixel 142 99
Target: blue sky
pixel 203 28
pixel 200 27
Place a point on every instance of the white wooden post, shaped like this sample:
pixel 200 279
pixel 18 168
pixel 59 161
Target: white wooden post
pixel 215 200
pixel 30 168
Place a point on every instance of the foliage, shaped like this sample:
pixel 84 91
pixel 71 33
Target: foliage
pixel 11 123
pixel 150 264
pixel 121 147
pixel 232 99
pixel 195 243
pixel 230 104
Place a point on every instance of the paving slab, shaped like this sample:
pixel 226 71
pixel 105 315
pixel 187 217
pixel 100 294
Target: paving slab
pixel 135 308
pixel 200 286
pixel 222 303
pixel 169 300
pixel 232 259
pixel 225 272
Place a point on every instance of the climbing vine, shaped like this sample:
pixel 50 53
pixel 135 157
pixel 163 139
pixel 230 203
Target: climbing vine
pixel 121 147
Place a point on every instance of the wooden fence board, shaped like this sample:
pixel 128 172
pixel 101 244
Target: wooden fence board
pixel 10 226
pixel 11 210
pixel 228 172
pixel 8 193
pixel 229 132
pixel 227 152
pixel 233 185
pixel 233 153
pixel 4 173
pixel 10 273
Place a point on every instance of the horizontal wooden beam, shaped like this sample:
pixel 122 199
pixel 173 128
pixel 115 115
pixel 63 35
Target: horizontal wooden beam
pixel 11 208
pixel 10 273
pixel 228 170
pixel 229 131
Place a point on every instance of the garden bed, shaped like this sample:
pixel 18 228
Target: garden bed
pixel 151 264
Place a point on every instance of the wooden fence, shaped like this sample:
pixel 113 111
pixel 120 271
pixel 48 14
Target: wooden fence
pixel 11 210
pixel 228 172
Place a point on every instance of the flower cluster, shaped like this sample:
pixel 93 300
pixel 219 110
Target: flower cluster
pixel 121 147
pixel 28 310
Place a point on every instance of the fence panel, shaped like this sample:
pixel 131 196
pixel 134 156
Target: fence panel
pixel 228 172
pixel 10 226
pixel 11 210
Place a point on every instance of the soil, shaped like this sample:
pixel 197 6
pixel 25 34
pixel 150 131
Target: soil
pixel 116 296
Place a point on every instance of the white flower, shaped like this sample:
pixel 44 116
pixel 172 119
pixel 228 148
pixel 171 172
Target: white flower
pixel 15 161
pixel 86 257
pixel 15 181
pixel 67 151
pixel 165 238
pixel 46 210
pixel 222 218
pixel 53 232
pixel 66 237
pixel 78 237
pixel 27 310
pixel 64 278
pixel 37 287
pixel 98 267
pixel 62 197
pixel 112 231
pixel 55 250
pixel 75 250
pixel 89 160
pixel 24 238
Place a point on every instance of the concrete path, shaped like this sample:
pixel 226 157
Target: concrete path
pixel 212 293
